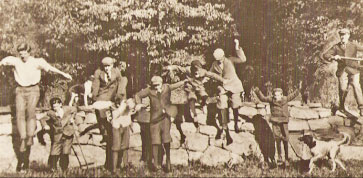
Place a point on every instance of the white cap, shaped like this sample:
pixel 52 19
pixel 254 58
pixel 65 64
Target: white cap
pixel 218 53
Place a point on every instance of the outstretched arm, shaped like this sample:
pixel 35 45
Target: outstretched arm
pixel 177 85
pixel 46 66
pixel 8 61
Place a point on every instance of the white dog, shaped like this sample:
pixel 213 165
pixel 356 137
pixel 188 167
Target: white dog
pixel 320 149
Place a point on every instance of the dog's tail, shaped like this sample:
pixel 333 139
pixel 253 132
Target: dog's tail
pixel 346 139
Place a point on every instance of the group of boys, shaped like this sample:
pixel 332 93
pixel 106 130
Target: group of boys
pixel 108 85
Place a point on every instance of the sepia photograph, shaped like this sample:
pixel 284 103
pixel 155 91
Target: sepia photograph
pixel 181 88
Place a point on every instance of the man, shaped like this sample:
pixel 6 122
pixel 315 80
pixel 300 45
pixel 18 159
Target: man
pixel 225 67
pixel 161 114
pixel 27 73
pixel 348 70
pixel 106 86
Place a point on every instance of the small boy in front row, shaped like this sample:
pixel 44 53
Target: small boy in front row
pixel 59 120
pixel 121 123
pixel 222 105
pixel 279 117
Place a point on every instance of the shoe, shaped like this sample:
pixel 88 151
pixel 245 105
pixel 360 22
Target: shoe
pixel 182 139
pixel 196 125
pixel 229 139
pixel 22 146
pixel 218 135
pixel 104 139
pixel 41 138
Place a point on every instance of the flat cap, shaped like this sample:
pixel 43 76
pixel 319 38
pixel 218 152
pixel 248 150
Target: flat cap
pixel 218 53
pixel 344 31
pixel 156 80
pixel 108 61
pixel 277 90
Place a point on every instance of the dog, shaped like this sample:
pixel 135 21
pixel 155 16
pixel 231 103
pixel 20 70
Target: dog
pixel 264 138
pixel 320 149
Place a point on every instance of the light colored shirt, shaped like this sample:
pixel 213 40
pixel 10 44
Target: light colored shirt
pixel 29 72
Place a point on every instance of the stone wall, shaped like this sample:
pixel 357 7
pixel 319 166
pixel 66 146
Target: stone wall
pixel 200 146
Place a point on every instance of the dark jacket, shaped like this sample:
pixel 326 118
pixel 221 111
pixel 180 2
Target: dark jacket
pixel 108 91
pixel 60 125
pixel 159 102
pixel 279 109
pixel 351 49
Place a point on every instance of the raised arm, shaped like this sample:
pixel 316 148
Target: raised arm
pixel 241 57
pixel 262 97
pixel 293 95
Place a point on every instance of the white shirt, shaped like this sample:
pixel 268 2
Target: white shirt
pixel 29 72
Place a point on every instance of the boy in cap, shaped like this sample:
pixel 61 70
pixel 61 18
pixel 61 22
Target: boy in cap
pixel 161 114
pixel 280 117
pixel 59 120
pixel 106 86
pixel 348 70
pixel 224 67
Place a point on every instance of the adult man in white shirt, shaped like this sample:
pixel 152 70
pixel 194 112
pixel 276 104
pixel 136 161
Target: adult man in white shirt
pixel 27 73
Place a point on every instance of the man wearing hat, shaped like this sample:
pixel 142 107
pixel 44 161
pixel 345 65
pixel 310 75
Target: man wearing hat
pixel 348 70
pixel 161 112
pixel 106 86
pixel 224 67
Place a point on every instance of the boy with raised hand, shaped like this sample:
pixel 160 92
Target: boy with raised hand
pixel 224 66
pixel 280 117
pixel 162 112
pixel 59 120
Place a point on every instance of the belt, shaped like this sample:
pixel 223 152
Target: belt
pixel 28 85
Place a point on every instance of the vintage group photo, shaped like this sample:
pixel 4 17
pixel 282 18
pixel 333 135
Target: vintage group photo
pixel 181 88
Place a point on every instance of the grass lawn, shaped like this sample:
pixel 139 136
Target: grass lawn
pixel 247 169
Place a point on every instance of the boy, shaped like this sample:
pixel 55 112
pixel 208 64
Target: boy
pixel 59 120
pixel 161 114
pixel 121 132
pixel 280 117
pixel 222 105
pixel 194 86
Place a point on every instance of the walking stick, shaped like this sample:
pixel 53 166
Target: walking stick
pixel 75 153
pixel 79 144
